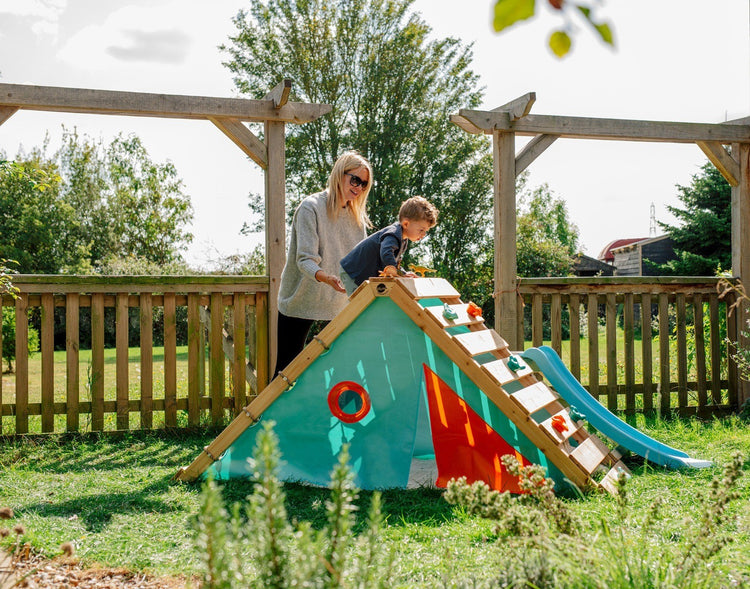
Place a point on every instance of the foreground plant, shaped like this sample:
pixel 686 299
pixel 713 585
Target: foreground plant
pixel 259 547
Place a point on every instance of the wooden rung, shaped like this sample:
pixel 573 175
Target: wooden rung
pixel 463 317
pixel 423 288
pixel 609 482
pixel 560 436
pixel 534 397
pixel 590 454
pixel 500 371
pixel 475 343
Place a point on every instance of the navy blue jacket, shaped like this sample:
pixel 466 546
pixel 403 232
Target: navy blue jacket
pixel 371 255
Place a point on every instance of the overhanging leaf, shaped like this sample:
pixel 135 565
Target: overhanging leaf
pixel 605 33
pixel 560 43
pixel 508 12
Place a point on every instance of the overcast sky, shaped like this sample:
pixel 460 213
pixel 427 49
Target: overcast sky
pixel 676 60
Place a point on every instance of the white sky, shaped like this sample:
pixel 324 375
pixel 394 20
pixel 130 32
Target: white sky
pixel 676 60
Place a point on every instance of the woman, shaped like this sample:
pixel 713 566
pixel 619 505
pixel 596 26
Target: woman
pixel 326 226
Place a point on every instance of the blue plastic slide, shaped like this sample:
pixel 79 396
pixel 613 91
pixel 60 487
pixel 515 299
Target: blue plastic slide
pixel 546 360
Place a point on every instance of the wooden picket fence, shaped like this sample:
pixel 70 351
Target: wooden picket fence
pixel 683 368
pixel 227 351
pixel 224 324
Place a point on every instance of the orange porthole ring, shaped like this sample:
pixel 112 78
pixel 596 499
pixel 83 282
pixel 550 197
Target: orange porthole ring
pixel 335 394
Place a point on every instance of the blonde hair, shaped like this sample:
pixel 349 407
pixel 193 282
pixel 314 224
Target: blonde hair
pixel 349 160
pixel 418 208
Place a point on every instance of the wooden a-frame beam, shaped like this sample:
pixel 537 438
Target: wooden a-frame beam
pixel 723 160
pixel 78 100
pixel 477 121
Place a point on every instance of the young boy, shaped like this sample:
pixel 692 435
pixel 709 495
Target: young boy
pixel 383 250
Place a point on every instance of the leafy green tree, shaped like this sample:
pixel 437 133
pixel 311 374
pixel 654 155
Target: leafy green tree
pixel 392 92
pixel 703 236
pixel 547 240
pixel 147 208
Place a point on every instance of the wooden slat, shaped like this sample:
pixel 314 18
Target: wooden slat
pixel 611 311
pixel 537 323
pixel 629 350
pixel 22 364
pixel 195 352
pixel 593 333
pixel 48 362
pixel 460 309
pixel 609 482
pixel 556 323
pixel 423 288
pixel 575 336
pixel 97 362
pixel 700 350
pixel 170 361
pixel 239 364
pixel 261 341
pixel 499 370
pixel 534 397
pixel 647 354
pixel 590 454
pixel 682 393
pixel 147 361
pixel 562 436
pixel 734 324
pixel 475 343
pixel 664 378
pixel 72 378
pixel 1 366
pixel 520 333
pixel 713 313
pixel 216 370
pixel 122 362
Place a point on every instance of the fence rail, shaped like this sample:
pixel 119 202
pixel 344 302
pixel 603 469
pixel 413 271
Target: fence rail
pixel 656 342
pixel 228 348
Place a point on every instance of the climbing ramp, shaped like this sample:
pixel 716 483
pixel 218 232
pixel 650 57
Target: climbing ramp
pixel 406 371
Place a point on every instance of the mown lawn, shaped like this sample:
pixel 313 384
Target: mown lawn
pixel 115 500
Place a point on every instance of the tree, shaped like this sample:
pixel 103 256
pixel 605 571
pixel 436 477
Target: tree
pixel 509 12
pixel 392 92
pixel 546 239
pixel 703 237
pixel 9 338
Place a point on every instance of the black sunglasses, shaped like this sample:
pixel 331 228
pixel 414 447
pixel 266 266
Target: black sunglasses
pixel 356 180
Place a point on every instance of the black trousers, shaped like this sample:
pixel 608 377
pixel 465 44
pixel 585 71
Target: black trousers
pixel 292 336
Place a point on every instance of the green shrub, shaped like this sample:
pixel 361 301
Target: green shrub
pixel 9 337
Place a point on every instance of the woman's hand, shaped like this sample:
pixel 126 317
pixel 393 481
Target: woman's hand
pixel 333 281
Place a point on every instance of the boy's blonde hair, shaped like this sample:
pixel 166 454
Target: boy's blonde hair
pixel 347 161
pixel 418 208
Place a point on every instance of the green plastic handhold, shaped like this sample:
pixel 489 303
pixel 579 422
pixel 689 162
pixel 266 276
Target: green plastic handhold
pixel 448 312
pixel 514 364
pixel 576 415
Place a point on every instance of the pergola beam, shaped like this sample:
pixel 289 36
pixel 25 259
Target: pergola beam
pixel 108 102
pixel 280 93
pixel 243 138
pixel 519 107
pixel 593 128
pixel 533 150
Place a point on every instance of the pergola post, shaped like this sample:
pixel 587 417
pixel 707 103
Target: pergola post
pixel 741 252
pixel 275 187
pixel 504 158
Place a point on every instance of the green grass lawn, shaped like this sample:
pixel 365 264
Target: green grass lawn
pixel 115 500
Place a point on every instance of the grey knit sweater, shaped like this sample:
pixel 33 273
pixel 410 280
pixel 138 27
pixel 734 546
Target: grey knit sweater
pixel 317 242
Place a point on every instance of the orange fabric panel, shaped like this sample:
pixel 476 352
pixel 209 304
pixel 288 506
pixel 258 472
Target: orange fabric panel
pixel 465 445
